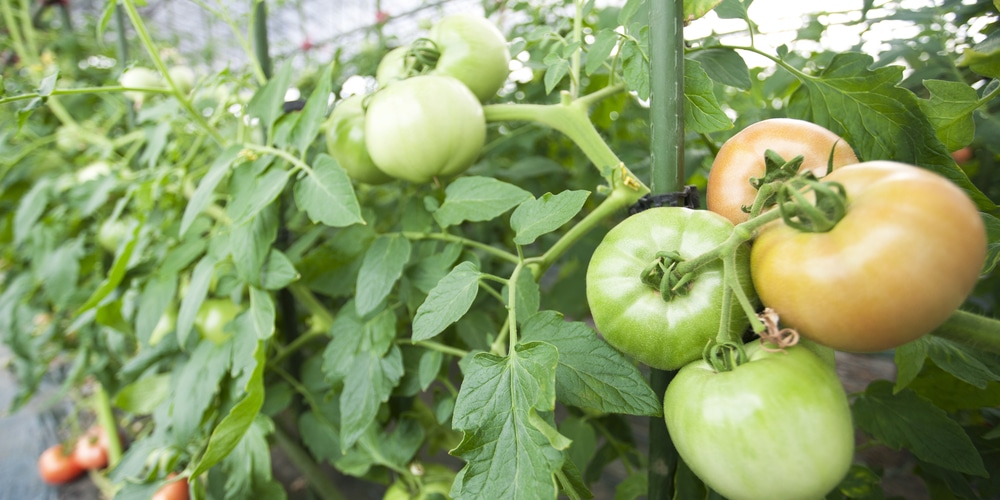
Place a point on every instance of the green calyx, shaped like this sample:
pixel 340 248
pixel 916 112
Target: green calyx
pixel 724 356
pixel 777 172
pixel 662 275
pixel 422 57
pixel 812 216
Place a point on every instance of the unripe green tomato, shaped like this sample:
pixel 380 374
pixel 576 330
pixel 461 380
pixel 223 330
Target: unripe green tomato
pixel 111 233
pixel 472 50
pixel 212 318
pixel 345 141
pixel 166 324
pixel 139 77
pixel 183 77
pixel 784 412
pixel 424 127
pixel 392 67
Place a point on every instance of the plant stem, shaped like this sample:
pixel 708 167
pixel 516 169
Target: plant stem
pixel 106 419
pixel 437 346
pixel 320 484
pixel 972 330
pixel 496 252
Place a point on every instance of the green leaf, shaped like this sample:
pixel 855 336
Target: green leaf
pixel 695 9
pixel 156 296
pixel 702 113
pixel 983 57
pixel 326 194
pixel 960 362
pixel 267 104
pixel 144 395
pixel 734 9
pixel 380 269
pixel 905 420
pixel 235 424
pixel 635 65
pixel 429 367
pixel 353 335
pixel 725 66
pixel 881 120
pixel 556 68
pixel 949 110
pixel 600 50
pixel 910 359
pixel 477 199
pixel 262 313
pixel 195 387
pixel 264 191
pixel 314 113
pixel 278 272
pixel 250 244
pixel 201 278
pixel 633 487
pixel 447 302
pixel 48 84
pixel 203 195
pixel 528 298
pixel 592 375
pixel 631 8
pixel 368 384
pixel 115 275
pixel 536 217
pixel 993 243
pixel 507 455
pixel 30 208
pixel 951 393
pixel 861 482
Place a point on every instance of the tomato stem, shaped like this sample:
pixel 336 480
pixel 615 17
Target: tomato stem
pixel 972 330
pixel 106 419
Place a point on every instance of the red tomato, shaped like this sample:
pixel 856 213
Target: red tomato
pixel 91 450
pixel 56 466
pixel 177 490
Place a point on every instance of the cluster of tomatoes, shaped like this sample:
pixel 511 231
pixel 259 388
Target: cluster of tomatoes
pixel 426 118
pixel 901 251
pixel 60 464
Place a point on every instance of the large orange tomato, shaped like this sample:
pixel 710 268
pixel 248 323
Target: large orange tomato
pixel 904 257
pixel 742 157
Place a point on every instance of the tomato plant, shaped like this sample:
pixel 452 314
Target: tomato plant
pixel 345 141
pixel 424 127
pixel 663 329
pixel 741 158
pixel 776 426
pixel 213 317
pixel 906 254
pixel 55 466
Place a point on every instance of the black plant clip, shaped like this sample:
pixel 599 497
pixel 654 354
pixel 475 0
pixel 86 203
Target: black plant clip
pixel 688 198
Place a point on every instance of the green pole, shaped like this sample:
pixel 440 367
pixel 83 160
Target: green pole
pixel 666 67
pixel 260 42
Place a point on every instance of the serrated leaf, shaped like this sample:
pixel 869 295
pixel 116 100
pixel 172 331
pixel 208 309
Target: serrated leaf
pixel 368 384
pixel 960 362
pixel 909 359
pixel 592 375
pixel 115 275
pixel 203 194
pixel 314 113
pixel 506 455
pixel 264 191
pixel 277 272
pixel 30 208
pixel 262 313
pixel 852 100
pixel 250 243
pixel 556 68
pixel 702 112
pixel 695 9
pixel 724 66
pixel 536 217
pixel 447 302
pixel 635 66
pixel 235 424
pixel 949 110
pixel 267 104
pixel 983 57
pixel 477 199
pixel 905 420
pixel 326 194
pixel 600 50
pixel 381 267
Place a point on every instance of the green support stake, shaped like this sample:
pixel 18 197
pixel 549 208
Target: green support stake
pixel 666 64
pixel 261 46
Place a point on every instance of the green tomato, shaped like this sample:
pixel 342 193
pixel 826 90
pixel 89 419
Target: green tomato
pixel 392 67
pixel 472 50
pixel 345 141
pixel 212 318
pixel 183 77
pixel 139 77
pixel 424 127
pixel 111 233
pixel 784 412
pixel 633 316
